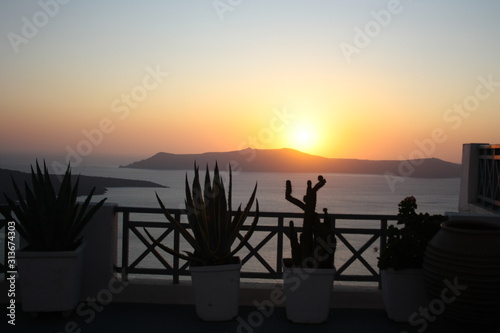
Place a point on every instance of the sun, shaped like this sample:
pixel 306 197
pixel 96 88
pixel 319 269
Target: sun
pixel 303 138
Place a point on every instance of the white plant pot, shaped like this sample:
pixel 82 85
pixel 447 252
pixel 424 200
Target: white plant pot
pixel 216 291
pixel 403 292
pixel 50 281
pixel 308 293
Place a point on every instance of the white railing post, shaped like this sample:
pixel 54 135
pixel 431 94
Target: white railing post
pixel 469 179
pixel 101 250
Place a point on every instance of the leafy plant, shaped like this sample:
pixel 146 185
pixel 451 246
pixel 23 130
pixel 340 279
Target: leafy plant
pixel 209 214
pixel 316 248
pixel 405 246
pixel 46 220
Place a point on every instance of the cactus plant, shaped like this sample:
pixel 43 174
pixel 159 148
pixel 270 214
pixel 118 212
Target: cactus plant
pixel 50 222
pixel 209 215
pixel 316 247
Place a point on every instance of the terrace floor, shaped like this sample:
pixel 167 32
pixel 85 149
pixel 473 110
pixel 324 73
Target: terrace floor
pixel 134 317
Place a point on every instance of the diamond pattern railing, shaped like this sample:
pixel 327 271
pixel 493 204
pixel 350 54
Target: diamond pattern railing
pixel 136 251
pixel 271 235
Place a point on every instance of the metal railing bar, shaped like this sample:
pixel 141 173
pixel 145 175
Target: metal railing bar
pixel 254 251
pixel 279 254
pixel 356 254
pixel 150 248
pixel 177 271
pixel 362 249
pixel 354 231
pixel 149 224
pixel 125 245
pixel 263 214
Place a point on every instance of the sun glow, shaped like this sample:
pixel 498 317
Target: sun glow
pixel 303 138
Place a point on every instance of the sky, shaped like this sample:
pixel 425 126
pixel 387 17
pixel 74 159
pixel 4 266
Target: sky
pixel 92 80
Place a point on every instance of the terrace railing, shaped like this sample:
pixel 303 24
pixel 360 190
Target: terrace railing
pixel 273 233
pixel 276 229
pixel 488 189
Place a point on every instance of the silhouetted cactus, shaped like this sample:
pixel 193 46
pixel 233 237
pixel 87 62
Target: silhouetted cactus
pixel 316 248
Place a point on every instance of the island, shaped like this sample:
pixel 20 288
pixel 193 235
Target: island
pixel 290 160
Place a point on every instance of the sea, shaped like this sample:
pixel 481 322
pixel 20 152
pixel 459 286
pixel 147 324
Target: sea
pixel 342 194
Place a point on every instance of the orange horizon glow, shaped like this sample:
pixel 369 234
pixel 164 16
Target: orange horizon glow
pixel 134 79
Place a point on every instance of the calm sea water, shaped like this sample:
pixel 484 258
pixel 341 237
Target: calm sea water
pixel 343 193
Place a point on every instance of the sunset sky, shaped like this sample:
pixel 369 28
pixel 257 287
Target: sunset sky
pixel 348 79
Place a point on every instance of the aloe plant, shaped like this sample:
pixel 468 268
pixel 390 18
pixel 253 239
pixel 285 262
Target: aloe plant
pixel 210 217
pixel 46 220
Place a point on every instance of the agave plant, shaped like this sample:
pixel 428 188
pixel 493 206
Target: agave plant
pixel 46 220
pixel 210 217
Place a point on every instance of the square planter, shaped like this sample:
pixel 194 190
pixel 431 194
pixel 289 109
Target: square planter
pixel 403 292
pixel 308 293
pixel 50 281
pixel 216 291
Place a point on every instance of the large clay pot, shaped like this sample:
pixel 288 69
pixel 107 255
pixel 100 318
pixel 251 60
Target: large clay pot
pixel 462 272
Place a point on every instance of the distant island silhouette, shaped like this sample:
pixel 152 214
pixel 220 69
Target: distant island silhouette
pixel 85 185
pixel 290 160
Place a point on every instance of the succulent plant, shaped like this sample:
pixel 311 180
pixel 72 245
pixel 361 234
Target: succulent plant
pixel 210 217
pixel 405 246
pixel 46 220
pixel 317 244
